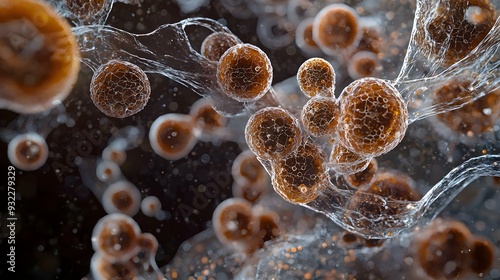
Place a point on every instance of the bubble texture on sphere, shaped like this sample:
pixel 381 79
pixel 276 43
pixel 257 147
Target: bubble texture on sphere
pixel 316 76
pixel 272 133
pixel 299 177
pixel 373 117
pixel 120 89
pixel 244 73
pixel 319 116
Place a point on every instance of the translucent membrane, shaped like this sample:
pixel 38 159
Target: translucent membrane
pixel 166 51
pixel 333 201
pixel 480 66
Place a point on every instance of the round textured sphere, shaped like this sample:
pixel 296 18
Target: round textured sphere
pixel 216 44
pixel 244 73
pixel 316 76
pixel 28 151
pixel 114 236
pixel 373 117
pixel 120 89
pixel 336 27
pixel 39 57
pixel 299 177
pixel 454 28
pixel 319 116
pixel 272 133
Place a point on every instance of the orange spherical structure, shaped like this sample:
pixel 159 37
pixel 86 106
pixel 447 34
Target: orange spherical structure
pixel 103 269
pixel 151 206
pixel 363 64
pixel 373 117
pixel 443 249
pixel 115 237
pixel 343 161
pixel 205 117
pixel 304 37
pixel 171 136
pixel 316 76
pixel 319 116
pixel 336 27
pixel 216 44
pixel 272 133
pixel 42 64
pixel 300 177
pixel 120 89
pixel 233 222
pixel 267 227
pixel 28 151
pixel 122 197
pixel 244 73
pixel 89 11
pixel 482 255
pixel 247 170
pixel 108 171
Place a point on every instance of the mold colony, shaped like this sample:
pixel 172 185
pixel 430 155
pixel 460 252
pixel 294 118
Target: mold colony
pixel 320 155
